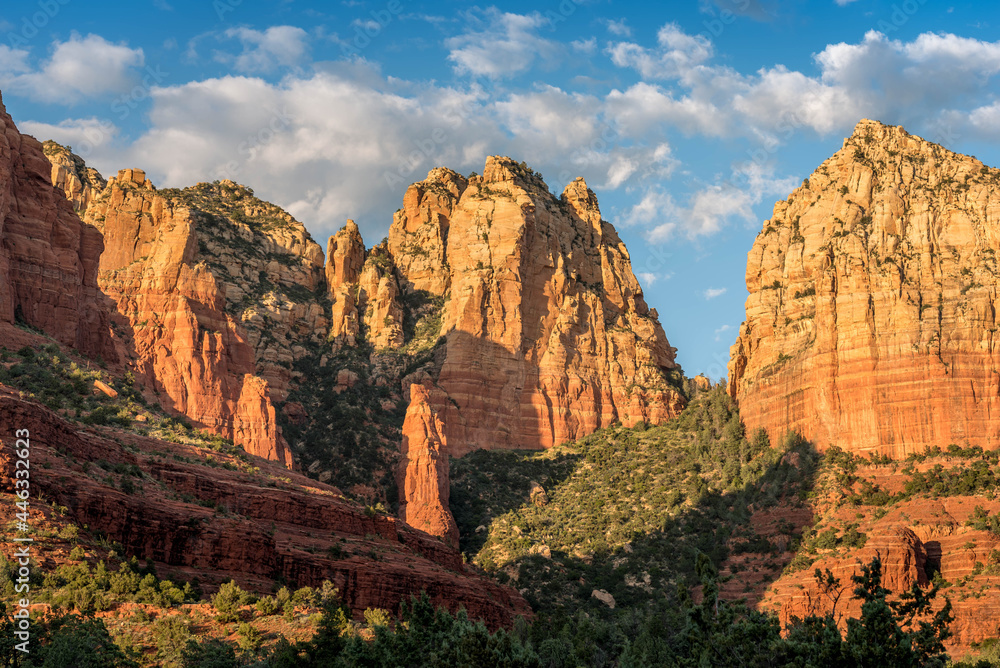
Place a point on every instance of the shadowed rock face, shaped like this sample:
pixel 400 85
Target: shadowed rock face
pixel 48 257
pixel 872 317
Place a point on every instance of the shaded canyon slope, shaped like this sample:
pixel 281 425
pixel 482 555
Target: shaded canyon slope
pixel 209 516
pixel 872 317
pixel 48 257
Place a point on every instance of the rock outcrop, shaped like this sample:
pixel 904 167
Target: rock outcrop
pixel 546 334
pixel 548 337
pixel 48 257
pixel 80 183
pixel 277 524
pixel 364 292
pixel 872 317
pixel 519 309
pixel 424 487
pixel 203 277
pixel 419 232
pixel 918 540
pixel 345 257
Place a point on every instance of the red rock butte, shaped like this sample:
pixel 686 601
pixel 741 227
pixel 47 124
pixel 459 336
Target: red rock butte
pixel 546 334
pixel 539 331
pixel 872 317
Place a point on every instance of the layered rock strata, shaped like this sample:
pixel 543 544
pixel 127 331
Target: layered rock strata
pixel 872 317
pixel 278 525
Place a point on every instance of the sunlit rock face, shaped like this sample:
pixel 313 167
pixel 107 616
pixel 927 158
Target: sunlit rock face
pixel 872 317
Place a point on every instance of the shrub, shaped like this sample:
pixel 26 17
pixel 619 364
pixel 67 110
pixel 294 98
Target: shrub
pixel 267 606
pixel 250 638
pixel 377 617
pixel 210 654
pixel 228 601
pixel 171 635
pixel 82 643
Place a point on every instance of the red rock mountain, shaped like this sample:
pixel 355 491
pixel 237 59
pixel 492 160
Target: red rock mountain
pixel 514 316
pixel 872 317
pixel 546 336
pixel 48 257
pixel 203 277
pixel 213 293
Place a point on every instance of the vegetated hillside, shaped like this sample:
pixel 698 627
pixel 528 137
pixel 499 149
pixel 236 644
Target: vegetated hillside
pixel 626 512
pixel 934 518
pixel 112 477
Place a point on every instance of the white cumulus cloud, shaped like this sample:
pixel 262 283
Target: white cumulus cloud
pixel 508 44
pixel 79 68
pixel 264 51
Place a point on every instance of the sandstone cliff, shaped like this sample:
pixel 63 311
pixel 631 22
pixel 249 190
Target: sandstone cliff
pixel 872 316
pixel 545 334
pixel 80 183
pixel 218 290
pixel 48 257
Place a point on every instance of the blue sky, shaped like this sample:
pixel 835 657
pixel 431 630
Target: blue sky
pixel 688 122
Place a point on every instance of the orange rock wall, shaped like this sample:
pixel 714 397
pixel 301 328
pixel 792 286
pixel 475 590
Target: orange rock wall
pixel 192 353
pixel 872 317
pixel 912 540
pixel 48 257
pixel 80 184
pixel 548 337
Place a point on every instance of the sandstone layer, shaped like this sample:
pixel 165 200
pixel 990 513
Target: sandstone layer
pixel 257 526
pixel 919 540
pixel 872 317
pixel 48 257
